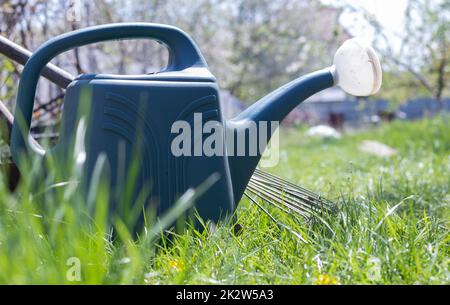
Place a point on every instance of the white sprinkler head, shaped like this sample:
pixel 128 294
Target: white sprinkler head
pixel 357 68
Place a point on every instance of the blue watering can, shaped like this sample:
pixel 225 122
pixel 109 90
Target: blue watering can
pixel 131 118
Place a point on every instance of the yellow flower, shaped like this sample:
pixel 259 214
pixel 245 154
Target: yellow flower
pixel 177 265
pixel 325 279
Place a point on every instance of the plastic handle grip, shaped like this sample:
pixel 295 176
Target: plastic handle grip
pixel 183 54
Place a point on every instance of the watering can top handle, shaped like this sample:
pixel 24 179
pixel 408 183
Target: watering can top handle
pixel 183 54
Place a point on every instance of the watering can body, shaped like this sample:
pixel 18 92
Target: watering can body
pixel 130 119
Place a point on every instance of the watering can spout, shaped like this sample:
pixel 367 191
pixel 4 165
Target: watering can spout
pixel 356 69
pixel 249 133
pixel 278 104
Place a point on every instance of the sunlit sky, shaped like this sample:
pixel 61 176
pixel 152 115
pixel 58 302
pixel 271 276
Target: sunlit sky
pixel 390 13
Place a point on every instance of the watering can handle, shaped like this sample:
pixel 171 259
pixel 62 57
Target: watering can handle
pixel 183 54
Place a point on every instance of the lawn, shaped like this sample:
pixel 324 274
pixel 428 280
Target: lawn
pixel 390 225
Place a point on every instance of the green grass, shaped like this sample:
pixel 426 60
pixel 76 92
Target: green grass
pixel 391 224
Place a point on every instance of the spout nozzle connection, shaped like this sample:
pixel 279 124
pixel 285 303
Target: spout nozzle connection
pixel 356 68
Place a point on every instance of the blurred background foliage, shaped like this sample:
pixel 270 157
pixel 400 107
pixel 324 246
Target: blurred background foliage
pixel 252 46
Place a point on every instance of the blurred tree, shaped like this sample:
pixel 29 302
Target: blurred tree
pixel 252 46
pixel 421 65
pixel 273 42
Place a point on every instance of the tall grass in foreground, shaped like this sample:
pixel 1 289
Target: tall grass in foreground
pixel 391 224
